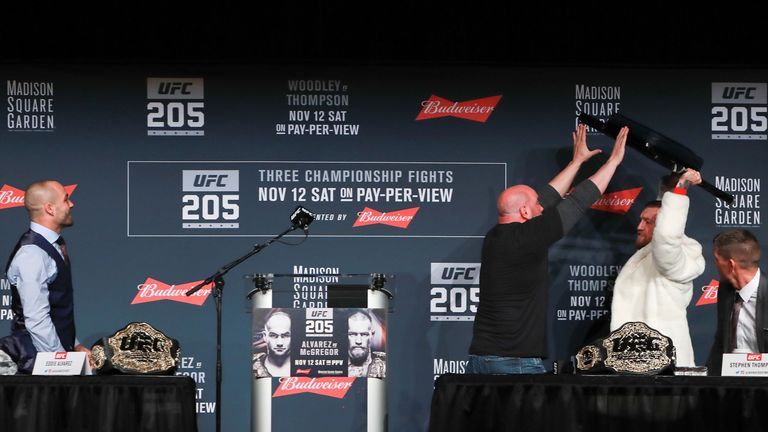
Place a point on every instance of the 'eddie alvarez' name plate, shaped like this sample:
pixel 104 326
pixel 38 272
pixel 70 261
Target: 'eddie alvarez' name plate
pixel 139 349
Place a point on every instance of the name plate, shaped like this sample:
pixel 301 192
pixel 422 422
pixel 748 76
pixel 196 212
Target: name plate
pixel 61 363
pixel 745 365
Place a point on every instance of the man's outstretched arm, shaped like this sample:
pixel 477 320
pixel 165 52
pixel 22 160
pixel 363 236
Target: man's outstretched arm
pixel 581 153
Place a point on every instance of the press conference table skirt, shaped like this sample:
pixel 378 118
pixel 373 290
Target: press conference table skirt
pixel 97 404
pixel 598 403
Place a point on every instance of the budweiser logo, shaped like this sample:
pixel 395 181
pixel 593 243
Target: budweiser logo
pixel 154 290
pixel 617 202
pixel 333 387
pixel 62 355
pixel 12 197
pixel 399 219
pixel 303 371
pixel 755 357
pixel 709 295
pixel 476 110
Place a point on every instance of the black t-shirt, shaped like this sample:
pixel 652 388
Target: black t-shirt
pixel 511 317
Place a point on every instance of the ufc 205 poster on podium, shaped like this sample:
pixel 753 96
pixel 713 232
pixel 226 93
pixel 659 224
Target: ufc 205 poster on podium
pixel 319 342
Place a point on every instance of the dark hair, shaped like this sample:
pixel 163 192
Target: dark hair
pixel 654 203
pixel 739 245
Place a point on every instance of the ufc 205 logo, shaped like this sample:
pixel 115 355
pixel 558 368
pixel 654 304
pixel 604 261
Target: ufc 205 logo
pixel 208 201
pixel 175 107
pixel 739 111
pixel 319 323
pixel 454 292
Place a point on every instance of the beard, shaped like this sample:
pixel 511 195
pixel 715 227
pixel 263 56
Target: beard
pixel 641 242
pixel 358 355
pixel 68 221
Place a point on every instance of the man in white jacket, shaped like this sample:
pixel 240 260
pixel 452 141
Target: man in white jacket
pixel 656 285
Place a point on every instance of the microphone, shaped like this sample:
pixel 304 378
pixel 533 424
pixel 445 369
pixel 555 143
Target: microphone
pixel 301 218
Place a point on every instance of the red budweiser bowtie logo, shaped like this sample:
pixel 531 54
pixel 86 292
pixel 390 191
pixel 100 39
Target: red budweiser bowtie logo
pixel 709 295
pixel 476 110
pixel 303 371
pixel 154 290
pixel 617 202
pixel 400 218
pixel 333 387
pixel 12 197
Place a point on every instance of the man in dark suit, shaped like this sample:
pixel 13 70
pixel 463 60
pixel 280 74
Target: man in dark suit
pixel 742 299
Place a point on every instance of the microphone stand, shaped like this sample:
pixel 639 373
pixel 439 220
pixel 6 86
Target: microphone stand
pixel 218 291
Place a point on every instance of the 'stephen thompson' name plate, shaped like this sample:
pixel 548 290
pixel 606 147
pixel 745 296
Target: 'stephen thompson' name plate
pixel 745 364
pixel 61 363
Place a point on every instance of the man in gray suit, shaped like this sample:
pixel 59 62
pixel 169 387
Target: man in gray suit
pixel 742 298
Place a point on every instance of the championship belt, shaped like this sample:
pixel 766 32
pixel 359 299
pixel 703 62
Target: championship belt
pixel 378 366
pixel 259 369
pixel 136 349
pixel 634 348
pixel 7 365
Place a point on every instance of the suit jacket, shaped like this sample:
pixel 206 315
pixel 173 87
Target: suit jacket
pixel 725 297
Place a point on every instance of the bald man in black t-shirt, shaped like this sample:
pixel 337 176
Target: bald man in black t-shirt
pixel 510 329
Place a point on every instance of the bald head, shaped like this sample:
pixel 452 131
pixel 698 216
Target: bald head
pixel 37 195
pixel 518 203
pixel 48 204
pixel 277 333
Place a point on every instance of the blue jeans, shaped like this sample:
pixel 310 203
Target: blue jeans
pixel 490 364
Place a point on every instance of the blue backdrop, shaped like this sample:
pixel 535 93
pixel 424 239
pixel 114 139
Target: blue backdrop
pixel 180 169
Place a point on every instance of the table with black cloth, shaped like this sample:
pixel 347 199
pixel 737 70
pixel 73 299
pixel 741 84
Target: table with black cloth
pixel 598 403
pixel 97 403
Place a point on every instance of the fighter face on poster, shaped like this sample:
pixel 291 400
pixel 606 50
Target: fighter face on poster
pixel 320 342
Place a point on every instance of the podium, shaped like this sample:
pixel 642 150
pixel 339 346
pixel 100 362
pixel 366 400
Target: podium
pixel 355 304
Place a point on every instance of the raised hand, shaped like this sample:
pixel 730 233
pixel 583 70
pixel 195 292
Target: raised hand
pixel 689 177
pixel 617 154
pixel 581 153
